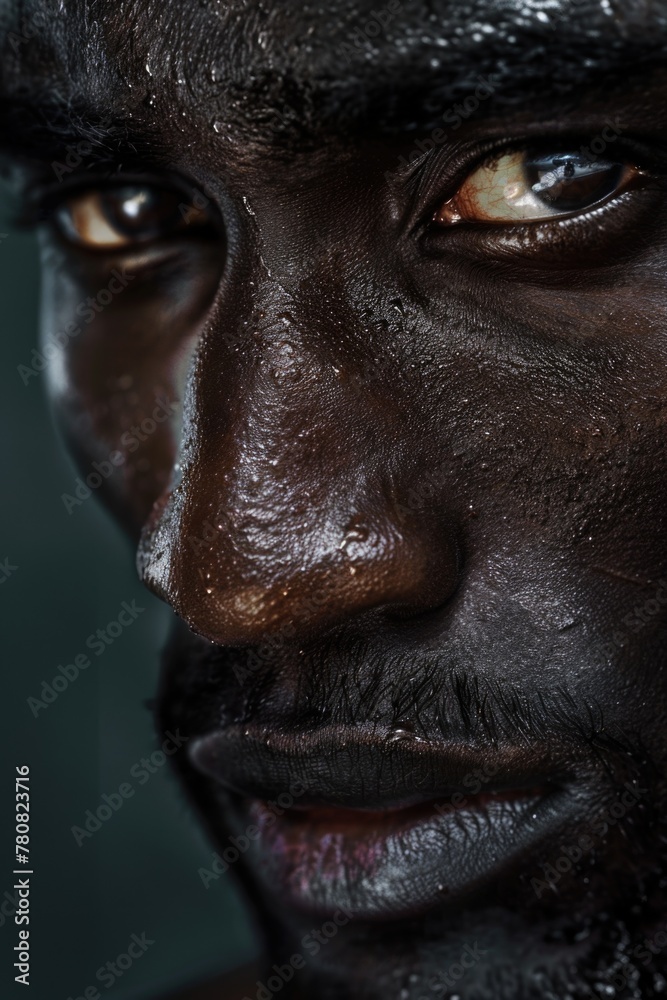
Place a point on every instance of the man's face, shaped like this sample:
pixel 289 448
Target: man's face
pixel 362 318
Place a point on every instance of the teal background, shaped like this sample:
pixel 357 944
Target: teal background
pixel 139 872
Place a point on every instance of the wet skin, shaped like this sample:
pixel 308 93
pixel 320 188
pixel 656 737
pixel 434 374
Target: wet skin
pixel 410 506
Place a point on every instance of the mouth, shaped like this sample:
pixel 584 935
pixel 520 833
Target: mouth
pixel 381 824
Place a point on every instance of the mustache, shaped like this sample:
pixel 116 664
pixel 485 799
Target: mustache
pixel 350 682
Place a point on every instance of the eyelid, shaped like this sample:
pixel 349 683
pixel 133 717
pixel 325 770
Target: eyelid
pixel 460 209
pixel 101 233
pixel 441 172
pixel 39 203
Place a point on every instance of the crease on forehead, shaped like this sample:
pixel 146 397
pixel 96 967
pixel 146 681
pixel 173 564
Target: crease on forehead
pixel 244 62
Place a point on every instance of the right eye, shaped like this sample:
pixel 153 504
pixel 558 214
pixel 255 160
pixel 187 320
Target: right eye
pixel 117 217
pixel 522 187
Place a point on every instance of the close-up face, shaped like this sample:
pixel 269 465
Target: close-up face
pixel 356 319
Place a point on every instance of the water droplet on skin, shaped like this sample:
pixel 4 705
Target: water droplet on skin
pixel 396 734
pixel 284 346
pixel 356 532
pixel 218 126
pixel 399 733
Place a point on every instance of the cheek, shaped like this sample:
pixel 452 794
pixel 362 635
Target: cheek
pixel 119 335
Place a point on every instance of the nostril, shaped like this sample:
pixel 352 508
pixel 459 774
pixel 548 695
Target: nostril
pixel 429 575
pixel 265 565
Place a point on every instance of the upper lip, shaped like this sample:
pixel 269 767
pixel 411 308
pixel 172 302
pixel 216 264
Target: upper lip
pixel 366 767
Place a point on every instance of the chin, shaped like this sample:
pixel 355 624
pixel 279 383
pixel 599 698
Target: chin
pixel 389 863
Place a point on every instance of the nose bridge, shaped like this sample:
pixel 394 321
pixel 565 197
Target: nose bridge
pixel 279 397
pixel 275 465
pixel 283 513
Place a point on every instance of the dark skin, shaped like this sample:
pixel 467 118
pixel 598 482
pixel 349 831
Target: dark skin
pixel 409 508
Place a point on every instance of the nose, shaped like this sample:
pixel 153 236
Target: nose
pixel 285 510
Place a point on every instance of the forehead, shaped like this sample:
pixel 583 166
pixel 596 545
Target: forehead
pixel 372 64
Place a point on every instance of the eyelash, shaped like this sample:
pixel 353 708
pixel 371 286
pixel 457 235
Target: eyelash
pixel 651 160
pixel 40 203
pixel 39 206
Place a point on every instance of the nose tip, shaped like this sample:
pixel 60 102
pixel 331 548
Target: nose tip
pixel 239 580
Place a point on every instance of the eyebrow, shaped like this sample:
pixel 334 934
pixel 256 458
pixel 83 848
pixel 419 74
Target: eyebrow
pixel 49 129
pixel 402 89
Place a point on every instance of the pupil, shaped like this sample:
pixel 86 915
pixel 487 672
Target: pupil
pixel 570 181
pixel 138 211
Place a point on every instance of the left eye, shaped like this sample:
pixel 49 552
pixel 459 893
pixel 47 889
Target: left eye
pixel 117 217
pixel 527 187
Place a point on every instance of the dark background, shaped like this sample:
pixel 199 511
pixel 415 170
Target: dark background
pixel 139 872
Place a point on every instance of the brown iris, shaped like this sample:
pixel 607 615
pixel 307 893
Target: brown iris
pixel 116 217
pixel 518 186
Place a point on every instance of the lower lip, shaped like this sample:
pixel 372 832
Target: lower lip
pixel 395 863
